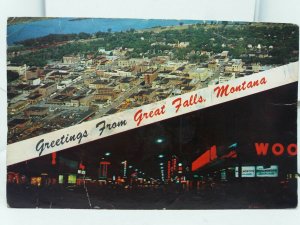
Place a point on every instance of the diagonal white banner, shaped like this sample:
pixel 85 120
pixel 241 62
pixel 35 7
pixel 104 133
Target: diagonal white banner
pixel 147 114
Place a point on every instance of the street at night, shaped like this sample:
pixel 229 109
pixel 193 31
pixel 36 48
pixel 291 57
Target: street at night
pixel 221 196
pixel 237 155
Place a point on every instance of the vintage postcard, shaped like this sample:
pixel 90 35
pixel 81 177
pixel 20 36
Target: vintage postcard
pixel 110 113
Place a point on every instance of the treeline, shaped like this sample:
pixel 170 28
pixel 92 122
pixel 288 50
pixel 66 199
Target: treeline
pixel 52 39
pixel 55 38
pixel 41 58
pixel 280 41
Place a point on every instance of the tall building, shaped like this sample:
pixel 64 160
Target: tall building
pixel 150 75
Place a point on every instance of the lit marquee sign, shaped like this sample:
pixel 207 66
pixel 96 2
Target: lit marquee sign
pixel 257 171
pixel 205 158
pixel 271 171
pixel 81 172
pixel 213 154
pixel 246 171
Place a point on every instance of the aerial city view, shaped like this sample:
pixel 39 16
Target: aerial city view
pixel 62 72
pixel 241 154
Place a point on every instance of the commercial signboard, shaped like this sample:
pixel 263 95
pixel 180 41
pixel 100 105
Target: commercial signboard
pixel 271 171
pixel 246 171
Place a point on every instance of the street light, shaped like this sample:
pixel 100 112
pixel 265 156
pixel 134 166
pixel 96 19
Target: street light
pixel 159 140
pixel 233 145
pixel 160 156
pixel 107 154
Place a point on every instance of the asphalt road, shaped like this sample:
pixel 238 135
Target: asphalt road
pixel 233 196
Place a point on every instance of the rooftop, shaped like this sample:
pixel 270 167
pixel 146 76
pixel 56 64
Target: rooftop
pixel 100 82
pixel 112 111
pixel 11 95
pixel 36 108
pixel 187 88
pixel 78 97
pixel 60 97
pixel 68 89
pixel 15 122
pixel 145 92
pixel 48 85
pixel 126 80
pixel 35 96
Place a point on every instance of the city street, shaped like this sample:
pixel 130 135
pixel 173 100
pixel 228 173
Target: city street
pixel 227 195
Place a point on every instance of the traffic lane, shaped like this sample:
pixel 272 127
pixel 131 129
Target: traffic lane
pixel 220 196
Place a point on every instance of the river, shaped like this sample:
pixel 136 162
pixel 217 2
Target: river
pixel 35 29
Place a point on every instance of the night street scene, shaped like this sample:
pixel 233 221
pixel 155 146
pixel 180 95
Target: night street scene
pixel 238 155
